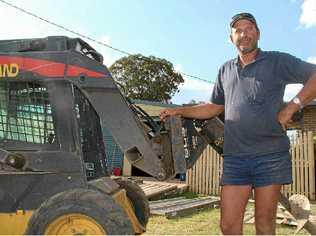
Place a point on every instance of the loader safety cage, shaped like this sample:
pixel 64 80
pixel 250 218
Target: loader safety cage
pixel 26 113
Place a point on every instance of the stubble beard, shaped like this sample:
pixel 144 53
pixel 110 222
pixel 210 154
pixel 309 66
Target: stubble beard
pixel 246 50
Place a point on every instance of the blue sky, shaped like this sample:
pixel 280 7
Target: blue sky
pixel 192 34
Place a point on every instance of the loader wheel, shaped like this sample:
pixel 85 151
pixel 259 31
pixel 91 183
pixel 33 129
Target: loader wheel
pixel 138 200
pixel 79 212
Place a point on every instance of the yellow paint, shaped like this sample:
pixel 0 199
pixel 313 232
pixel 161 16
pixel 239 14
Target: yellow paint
pixel 121 199
pixel 74 224
pixel 9 70
pixel 14 223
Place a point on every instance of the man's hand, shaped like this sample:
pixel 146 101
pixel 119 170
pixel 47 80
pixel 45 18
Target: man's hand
pixel 200 111
pixel 285 115
pixel 168 112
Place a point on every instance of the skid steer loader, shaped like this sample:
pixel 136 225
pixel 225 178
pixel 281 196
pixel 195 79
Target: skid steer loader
pixel 56 97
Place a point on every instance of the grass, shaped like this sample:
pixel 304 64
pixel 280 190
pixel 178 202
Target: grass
pixel 204 222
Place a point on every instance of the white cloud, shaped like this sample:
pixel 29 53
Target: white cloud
pixel 196 85
pixel 105 39
pixel 24 26
pixel 308 15
pixel 108 56
pixel 312 60
pixel 178 68
pixel 20 25
pixel 192 89
pixel 191 83
pixel 186 96
pixel 291 91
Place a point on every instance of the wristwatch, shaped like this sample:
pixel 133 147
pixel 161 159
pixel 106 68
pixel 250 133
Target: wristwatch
pixel 298 102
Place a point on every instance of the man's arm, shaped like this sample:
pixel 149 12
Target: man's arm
pixel 306 95
pixel 201 111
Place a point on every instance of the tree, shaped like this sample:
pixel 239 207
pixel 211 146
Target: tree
pixel 148 78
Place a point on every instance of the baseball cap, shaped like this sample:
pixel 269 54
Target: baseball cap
pixel 243 16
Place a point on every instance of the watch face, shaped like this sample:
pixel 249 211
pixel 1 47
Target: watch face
pixel 296 101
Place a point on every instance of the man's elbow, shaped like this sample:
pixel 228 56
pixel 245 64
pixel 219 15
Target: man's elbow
pixel 218 108
pixel 311 82
pixel 215 109
pixel 313 76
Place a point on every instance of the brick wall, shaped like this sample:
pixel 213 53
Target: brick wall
pixel 309 118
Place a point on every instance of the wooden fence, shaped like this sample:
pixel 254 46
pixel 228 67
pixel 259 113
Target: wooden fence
pixel 204 176
pixel 303 165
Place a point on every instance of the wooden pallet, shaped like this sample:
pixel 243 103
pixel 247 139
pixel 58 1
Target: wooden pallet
pixel 156 189
pixel 176 207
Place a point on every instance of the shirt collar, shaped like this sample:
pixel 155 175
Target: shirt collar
pixel 260 55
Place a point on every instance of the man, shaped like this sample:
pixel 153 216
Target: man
pixel 250 90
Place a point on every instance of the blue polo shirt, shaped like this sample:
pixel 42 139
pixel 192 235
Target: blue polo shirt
pixel 253 95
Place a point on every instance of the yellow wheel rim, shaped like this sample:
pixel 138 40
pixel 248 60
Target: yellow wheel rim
pixel 74 224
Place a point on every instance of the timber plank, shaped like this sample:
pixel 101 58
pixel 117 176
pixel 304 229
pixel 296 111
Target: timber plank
pixel 305 147
pixel 185 208
pixel 297 173
pixel 159 191
pixel 207 179
pixel 166 200
pixel 311 158
pixel 167 205
pixel 156 188
pixel 301 161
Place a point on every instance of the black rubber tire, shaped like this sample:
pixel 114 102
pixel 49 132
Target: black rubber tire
pixel 92 203
pixel 138 199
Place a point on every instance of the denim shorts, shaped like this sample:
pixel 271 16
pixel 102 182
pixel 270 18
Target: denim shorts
pixel 258 171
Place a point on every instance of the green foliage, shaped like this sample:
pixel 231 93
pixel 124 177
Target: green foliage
pixel 147 78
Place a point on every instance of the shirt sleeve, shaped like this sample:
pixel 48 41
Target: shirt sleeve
pixel 218 97
pixel 294 70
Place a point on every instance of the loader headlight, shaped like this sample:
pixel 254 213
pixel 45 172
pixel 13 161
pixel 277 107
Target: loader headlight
pixel 16 160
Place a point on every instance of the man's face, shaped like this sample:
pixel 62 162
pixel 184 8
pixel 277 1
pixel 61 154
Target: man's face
pixel 245 36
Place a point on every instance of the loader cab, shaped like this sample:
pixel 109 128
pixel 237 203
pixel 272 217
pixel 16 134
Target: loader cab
pixel 47 116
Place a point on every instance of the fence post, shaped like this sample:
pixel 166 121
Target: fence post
pixel 311 161
pixel 306 164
